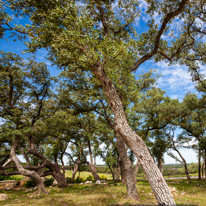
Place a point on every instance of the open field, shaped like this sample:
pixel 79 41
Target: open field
pixel 109 176
pixel 91 195
pixel 86 174
pixel 83 175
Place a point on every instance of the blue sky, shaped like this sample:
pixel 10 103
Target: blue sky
pixel 175 79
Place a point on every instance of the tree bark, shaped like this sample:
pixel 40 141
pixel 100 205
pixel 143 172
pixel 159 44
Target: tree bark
pixel 128 170
pixel 117 179
pixel 123 178
pixel 136 171
pixel 22 171
pixel 205 166
pixel 199 165
pixel 158 184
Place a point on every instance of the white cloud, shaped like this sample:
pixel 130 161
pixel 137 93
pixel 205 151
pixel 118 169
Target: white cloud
pixel 143 5
pixel 175 77
pixel 174 96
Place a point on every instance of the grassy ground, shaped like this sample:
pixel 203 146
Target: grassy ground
pixel 83 175
pixel 92 195
pixel 109 176
pixel 183 175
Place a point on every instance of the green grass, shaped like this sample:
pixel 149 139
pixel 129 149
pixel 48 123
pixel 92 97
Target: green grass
pixel 106 195
pixel 68 173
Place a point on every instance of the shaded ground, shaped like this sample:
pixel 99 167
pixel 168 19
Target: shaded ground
pixel 92 195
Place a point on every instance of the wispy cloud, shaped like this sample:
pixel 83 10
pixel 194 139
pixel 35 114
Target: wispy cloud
pixel 174 77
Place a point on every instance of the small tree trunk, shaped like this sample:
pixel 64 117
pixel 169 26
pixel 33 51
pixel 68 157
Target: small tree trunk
pixel 74 171
pixel 117 170
pixel 7 162
pixel 63 169
pixel 90 165
pixel 185 165
pixel 160 165
pixel 58 176
pixel 157 182
pixel 203 166
pixel 112 171
pixel 127 166
pixel 56 172
pixel 94 171
pixel 95 164
pixel 25 156
pixel 4 160
pixel 136 171
pixel 187 173
pixel 199 165
pixel 22 171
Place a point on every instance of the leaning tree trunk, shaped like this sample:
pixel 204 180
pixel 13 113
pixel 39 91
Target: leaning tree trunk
pixel 112 171
pixel 160 165
pixel 7 162
pixel 54 168
pixel 94 171
pixel 22 171
pixel 128 170
pixel 136 171
pixel 158 184
pixel 185 165
pixel 91 166
pixel 187 173
pixel 4 160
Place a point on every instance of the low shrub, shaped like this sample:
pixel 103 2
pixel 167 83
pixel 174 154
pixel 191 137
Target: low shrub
pixel 70 180
pixel 2 178
pixel 90 178
pixel 79 180
pixel 30 183
pixel 103 177
pixel 48 182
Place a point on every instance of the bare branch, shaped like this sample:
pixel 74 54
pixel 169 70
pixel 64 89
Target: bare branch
pixel 156 45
